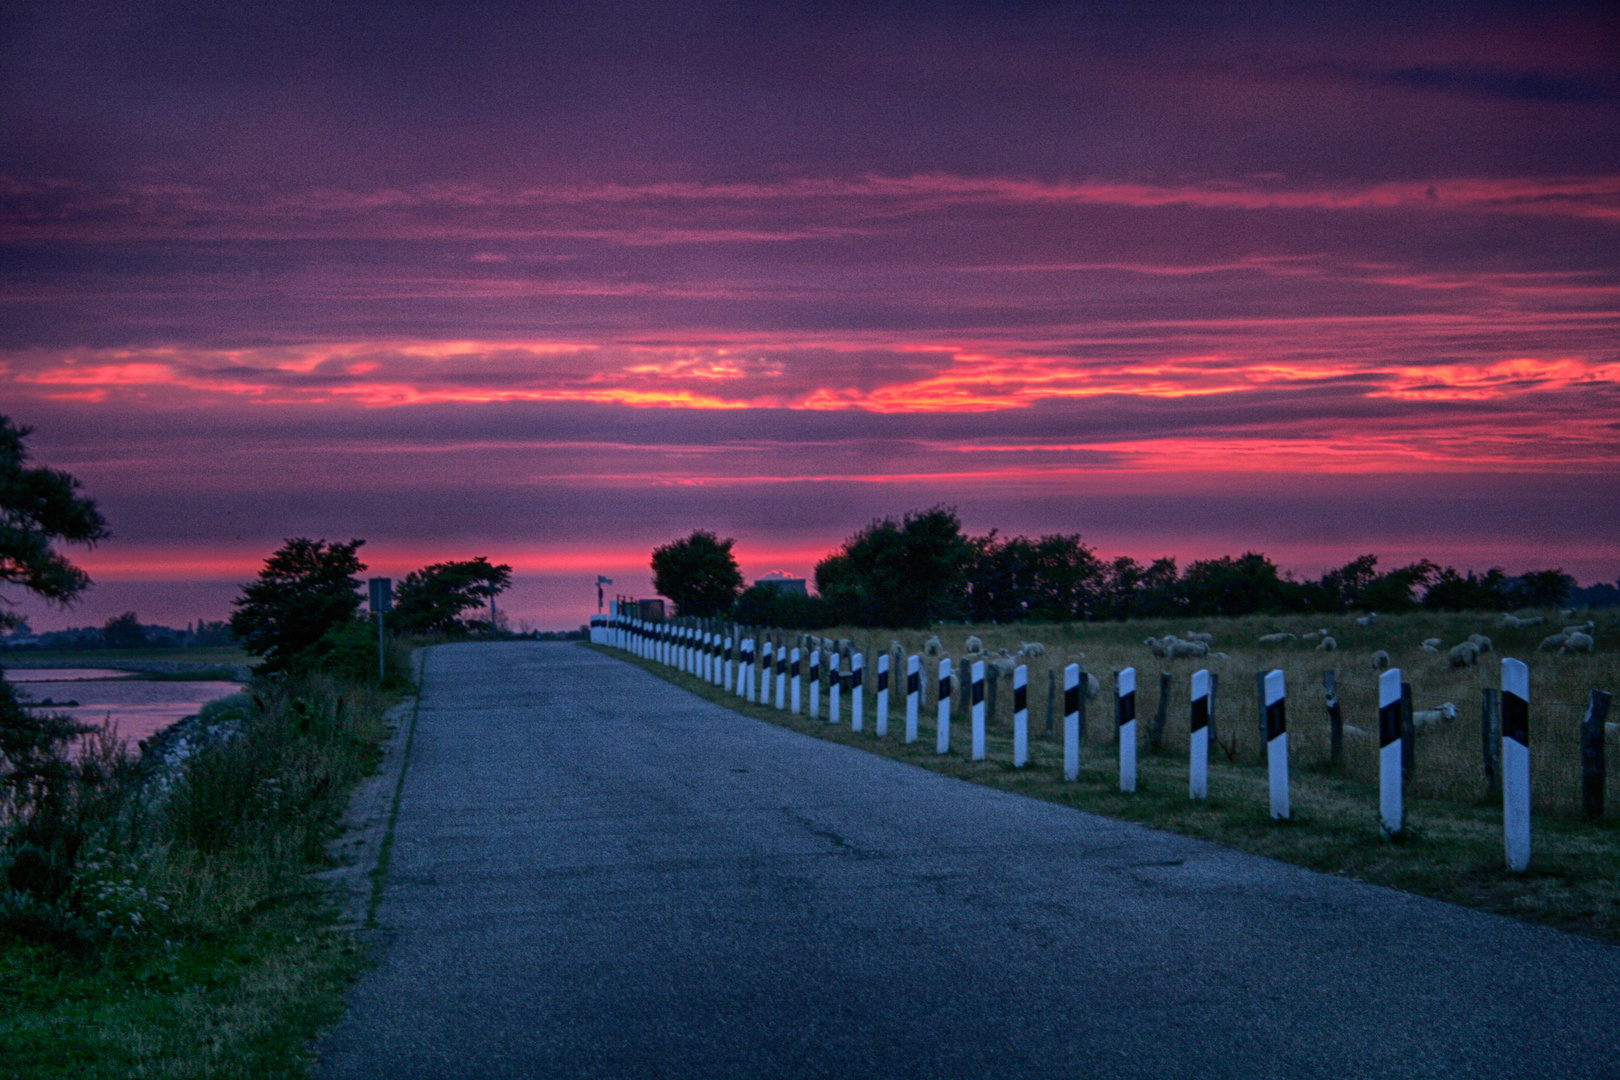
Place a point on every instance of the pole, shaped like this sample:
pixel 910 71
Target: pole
pixel 1020 716
pixel 1592 763
pixel 913 695
pixel 1071 722
pixel 1516 764
pixel 978 710
pixel 1198 724
pixel 1277 743
pixel 883 695
pixel 1391 812
pixel 942 741
pixel 1125 722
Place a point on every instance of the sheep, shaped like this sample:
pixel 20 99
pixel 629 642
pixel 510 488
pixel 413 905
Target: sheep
pixel 1423 718
pixel 1327 645
pixel 1464 655
pixel 1196 635
pixel 1431 643
pixel 1218 656
pixel 1177 649
pixel 1481 642
pixel 1514 622
pixel 1353 731
pixel 1566 612
pixel 1031 649
pixel 1552 642
pixel 974 645
pixel 1579 643
pixel 1276 639
pixel 1003 666
pixel 1367 620
pixel 1582 628
pixel 932 648
pixel 1314 634
pixel 1380 660
pixel 1426 647
pixel 1161 646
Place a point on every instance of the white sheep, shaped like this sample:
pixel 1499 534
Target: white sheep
pixel 1161 646
pixel 1003 665
pixel 1581 628
pixel 1031 649
pixel 1196 635
pixel 1327 644
pixel 1552 642
pixel 1481 642
pixel 974 645
pixel 1431 643
pixel 1566 612
pixel 1367 620
pixel 1314 634
pixel 1464 655
pixel 1218 656
pixel 1579 643
pixel 1514 622
pixel 1426 647
pixel 1380 660
pixel 1276 639
pixel 932 648
pixel 1423 718
pixel 1178 648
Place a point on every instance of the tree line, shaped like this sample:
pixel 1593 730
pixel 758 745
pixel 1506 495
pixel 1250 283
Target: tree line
pixel 922 568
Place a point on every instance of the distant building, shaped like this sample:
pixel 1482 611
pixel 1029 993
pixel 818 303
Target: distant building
pixel 650 610
pixel 784 582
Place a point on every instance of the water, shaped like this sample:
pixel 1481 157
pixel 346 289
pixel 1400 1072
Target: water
pixel 139 707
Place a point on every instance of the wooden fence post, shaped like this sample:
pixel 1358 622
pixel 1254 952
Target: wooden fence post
pixel 1156 732
pixel 1592 763
pixel 1408 734
pixel 1051 699
pixel 1214 691
pixel 1335 722
pixel 1490 733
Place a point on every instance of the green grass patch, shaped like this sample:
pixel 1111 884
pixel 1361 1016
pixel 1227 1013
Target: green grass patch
pixel 1450 850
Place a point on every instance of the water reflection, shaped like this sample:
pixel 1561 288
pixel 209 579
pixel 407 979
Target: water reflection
pixel 140 707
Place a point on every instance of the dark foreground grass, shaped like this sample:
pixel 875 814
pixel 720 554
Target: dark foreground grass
pixel 193 942
pixel 1448 851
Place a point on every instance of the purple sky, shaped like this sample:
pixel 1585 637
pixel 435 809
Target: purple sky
pixel 558 285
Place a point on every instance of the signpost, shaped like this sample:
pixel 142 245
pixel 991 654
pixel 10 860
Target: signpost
pixel 382 602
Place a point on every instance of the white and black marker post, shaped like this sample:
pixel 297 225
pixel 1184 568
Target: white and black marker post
pixel 942 741
pixel 1516 764
pixel 795 694
pixel 835 686
pixel 767 662
pixel 978 710
pixel 1198 774
pixel 781 676
pixel 856 691
pixel 1020 716
pixel 913 695
pixel 1277 743
pixel 1071 722
pixel 1125 723
pixel 815 683
pixel 882 695
pixel 746 676
pixel 726 664
pixel 1391 808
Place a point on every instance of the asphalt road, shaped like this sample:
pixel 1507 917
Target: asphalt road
pixel 595 874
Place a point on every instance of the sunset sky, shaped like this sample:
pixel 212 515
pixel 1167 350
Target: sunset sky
pixel 557 283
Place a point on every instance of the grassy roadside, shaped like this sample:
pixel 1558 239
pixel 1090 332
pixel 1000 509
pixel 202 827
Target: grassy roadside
pixel 1450 852
pixel 193 942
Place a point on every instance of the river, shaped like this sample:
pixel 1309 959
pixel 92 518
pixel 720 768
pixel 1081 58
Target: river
pixel 140 707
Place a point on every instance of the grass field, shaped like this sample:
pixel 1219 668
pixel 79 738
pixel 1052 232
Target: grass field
pixel 222 655
pixel 1452 848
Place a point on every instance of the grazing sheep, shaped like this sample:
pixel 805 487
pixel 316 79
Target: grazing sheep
pixel 1031 649
pixel 1197 635
pixel 1551 642
pixel 1380 660
pixel 1002 666
pixel 1514 622
pixel 1423 718
pixel 932 648
pixel 1218 656
pixel 1582 628
pixel 1481 642
pixel 1327 645
pixel 1091 684
pixel 974 645
pixel 1579 643
pixel 1431 643
pixel 1314 634
pixel 1566 612
pixel 1426 647
pixel 1161 646
pixel 1178 648
pixel 1464 655
pixel 1367 620
pixel 1351 729
pixel 1275 639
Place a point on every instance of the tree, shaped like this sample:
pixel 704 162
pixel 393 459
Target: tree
pixel 306 588
pixel 699 573
pixel 431 600
pixel 48 802
pixel 123 632
pixel 900 573
pixel 39 507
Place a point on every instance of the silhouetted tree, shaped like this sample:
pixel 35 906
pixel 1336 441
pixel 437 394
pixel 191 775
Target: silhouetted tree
pixel 123 632
pixel 431 600
pixel 699 573
pixel 899 573
pixel 306 588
